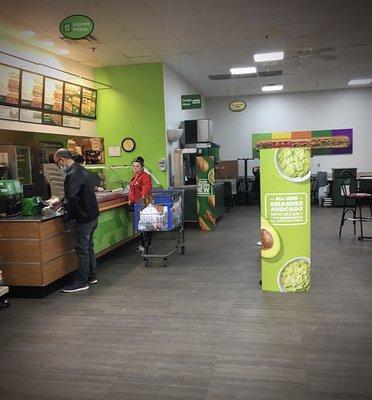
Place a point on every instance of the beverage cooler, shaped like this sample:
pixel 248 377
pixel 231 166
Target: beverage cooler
pixel 16 160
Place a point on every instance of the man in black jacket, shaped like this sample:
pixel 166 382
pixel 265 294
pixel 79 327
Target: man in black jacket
pixel 81 209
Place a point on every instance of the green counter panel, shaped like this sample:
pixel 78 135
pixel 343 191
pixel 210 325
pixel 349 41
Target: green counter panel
pixel 113 226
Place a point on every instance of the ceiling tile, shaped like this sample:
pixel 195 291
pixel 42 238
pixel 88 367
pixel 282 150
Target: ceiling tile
pixel 146 59
pixel 132 22
pixel 109 30
pixel 161 41
pixel 131 49
pixel 71 7
pixel 23 6
pixel 201 37
pixel 163 51
pixel 125 8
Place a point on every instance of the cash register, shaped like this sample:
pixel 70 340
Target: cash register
pixel 10 197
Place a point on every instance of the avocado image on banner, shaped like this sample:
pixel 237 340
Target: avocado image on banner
pixel 270 240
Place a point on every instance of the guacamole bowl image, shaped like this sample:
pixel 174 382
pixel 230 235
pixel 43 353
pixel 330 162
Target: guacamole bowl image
pixel 293 164
pixel 294 276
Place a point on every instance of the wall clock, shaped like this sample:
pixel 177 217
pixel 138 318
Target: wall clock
pixel 128 144
pixel 237 105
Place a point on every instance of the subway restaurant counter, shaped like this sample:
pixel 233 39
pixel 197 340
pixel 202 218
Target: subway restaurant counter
pixel 39 250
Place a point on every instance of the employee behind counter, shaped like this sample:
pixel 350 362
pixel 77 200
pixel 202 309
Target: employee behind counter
pixel 81 211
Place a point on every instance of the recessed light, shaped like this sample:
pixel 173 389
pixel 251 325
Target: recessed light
pixel 355 82
pixel 28 33
pixel 47 43
pixel 275 56
pixel 243 70
pixel 272 88
pixel 63 52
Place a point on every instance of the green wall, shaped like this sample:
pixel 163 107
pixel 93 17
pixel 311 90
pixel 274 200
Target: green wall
pixel 134 107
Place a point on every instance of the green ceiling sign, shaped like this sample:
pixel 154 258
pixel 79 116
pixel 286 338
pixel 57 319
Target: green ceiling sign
pixel 189 101
pixel 76 27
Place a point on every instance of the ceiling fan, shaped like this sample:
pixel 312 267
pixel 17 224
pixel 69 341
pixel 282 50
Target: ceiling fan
pixel 304 52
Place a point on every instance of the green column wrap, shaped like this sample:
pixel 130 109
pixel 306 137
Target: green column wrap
pixel 285 219
pixel 206 200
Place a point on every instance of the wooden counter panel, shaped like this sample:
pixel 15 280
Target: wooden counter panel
pixel 20 250
pixel 109 204
pixel 19 230
pixel 22 274
pixel 56 246
pixel 59 267
pixel 51 228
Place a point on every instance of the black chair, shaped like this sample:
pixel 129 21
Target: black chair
pixel 313 189
pixel 244 192
pixel 229 200
pixel 353 201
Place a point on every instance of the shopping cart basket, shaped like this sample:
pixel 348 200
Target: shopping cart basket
pixel 163 214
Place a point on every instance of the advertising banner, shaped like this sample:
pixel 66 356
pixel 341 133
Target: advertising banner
pixel 324 142
pixel 285 219
pixel 206 200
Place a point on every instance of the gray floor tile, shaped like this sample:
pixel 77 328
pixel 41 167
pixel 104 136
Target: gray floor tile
pixel 201 328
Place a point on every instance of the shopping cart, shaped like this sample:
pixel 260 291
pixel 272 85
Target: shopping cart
pixel 163 214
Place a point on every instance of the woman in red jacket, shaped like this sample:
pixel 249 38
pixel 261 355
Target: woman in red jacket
pixel 140 187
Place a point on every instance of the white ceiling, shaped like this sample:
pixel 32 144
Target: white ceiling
pixel 198 38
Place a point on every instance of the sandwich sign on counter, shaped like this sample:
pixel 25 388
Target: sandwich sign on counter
pixel 285 219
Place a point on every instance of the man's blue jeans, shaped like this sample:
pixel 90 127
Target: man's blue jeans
pixel 84 247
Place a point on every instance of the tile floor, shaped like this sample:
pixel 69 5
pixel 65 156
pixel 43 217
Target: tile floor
pixel 201 328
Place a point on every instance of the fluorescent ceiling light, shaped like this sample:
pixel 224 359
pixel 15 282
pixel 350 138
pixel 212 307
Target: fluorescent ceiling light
pixel 272 88
pixel 243 70
pixel 262 57
pixel 63 52
pixel 28 33
pixel 355 82
pixel 47 43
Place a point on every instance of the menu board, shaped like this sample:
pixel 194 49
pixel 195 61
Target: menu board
pixel 9 85
pixel 52 119
pixel 89 103
pixel 71 122
pixel 30 97
pixel 32 116
pixel 53 95
pixel 32 90
pixel 10 113
pixel 72 99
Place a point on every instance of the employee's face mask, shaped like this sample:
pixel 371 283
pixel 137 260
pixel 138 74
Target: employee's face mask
pixel 62 166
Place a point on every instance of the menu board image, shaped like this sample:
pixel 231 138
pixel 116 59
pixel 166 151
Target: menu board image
pixel 32 90
pixel 52 119
pixel 9 85
pixel 72 99
pixel 10 113
pixel 53 95
pixel 71 122
pixel 32 116
pixel 89 103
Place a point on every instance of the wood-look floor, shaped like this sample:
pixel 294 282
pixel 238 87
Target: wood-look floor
pixel 201 328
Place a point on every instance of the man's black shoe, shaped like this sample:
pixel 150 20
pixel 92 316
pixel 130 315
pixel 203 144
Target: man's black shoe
pixel 75 287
